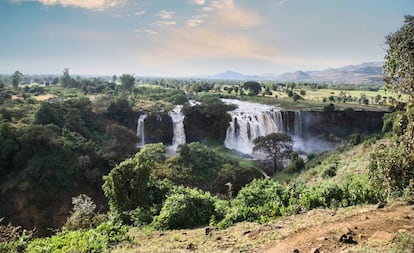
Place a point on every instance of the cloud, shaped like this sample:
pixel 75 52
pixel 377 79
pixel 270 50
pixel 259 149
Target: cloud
pixel 225 13
pixel 139 13
pixel 198 2
pixel 164 14
pixel 165 23
pixel 86 4
pixel 196 20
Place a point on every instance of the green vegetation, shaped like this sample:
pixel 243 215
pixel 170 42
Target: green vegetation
pixel 63 136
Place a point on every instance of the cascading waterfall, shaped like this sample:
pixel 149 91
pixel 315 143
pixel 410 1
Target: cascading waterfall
pixel 249 121
pixel 141 130
pixel 298 124
pixel 177 117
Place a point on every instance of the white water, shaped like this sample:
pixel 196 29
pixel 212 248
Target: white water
pixel 249 121
pixel 140 130
pixel 298 125
pixel 178 127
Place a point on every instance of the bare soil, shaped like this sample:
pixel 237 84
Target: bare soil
pixel 362 228
pixel 376 227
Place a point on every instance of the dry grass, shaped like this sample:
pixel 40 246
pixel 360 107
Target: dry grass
pixel 44 97
pixel 242 237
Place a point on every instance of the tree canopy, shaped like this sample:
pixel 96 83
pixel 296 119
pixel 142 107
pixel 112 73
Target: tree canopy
pixel 277 146
pixel 253 87
pixel 399 66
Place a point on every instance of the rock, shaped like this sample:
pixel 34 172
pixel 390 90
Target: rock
pixel 296 251
pixel 247 232
pixel 364 217
pixel 191 247
pixel 208 230
pixel 346 238
pixel 315 250
pixel 380 205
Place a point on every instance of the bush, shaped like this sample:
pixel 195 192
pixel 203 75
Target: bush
pixel 329 172
pixel 101 239
pixel 391 166
pixel 83 215
pixel 185 208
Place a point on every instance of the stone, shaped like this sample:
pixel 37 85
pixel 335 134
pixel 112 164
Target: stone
pixel 380 205
pixel 296 251
pixel 315 250
pixel 191 247
pixel 346 238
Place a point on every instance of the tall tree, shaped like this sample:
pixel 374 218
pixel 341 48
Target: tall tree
pixel 66 80
pixel 399 65
pixel 17 78
pixel 277 146
pixel 253 87
pixel 127 81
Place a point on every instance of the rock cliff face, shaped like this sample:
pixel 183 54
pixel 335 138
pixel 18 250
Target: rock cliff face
pixel 340 123
pixel 158 128
pixel 306 124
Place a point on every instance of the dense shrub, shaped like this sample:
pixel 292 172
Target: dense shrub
pixel 392 166
pixel 100 239
pixel 129 186
pixel 185 208
pixel 265 199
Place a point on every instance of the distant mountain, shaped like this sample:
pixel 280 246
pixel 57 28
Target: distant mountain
pixel 365 73
pixel 231 75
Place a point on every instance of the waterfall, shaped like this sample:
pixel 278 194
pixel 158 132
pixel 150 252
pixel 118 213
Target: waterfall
pixel 178 127
pixel 298 124
pixel 249 121
pixel 141 130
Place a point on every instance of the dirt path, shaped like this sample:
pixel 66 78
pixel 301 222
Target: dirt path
pixel 377 226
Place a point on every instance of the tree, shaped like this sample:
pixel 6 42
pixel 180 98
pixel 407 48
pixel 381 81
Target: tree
pixel 253 87
pixel 126 185
pixel 277 146
pixel 17 78
pixel 127 81
pixel 66 80
pixel 399 65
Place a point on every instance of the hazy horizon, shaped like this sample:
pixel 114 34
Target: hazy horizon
pixel 193 37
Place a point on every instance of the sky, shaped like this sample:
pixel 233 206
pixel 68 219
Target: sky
pixel 193 37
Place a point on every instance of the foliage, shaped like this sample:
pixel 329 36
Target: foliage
pixel 120 110
pixel 201 159
pixel 128 186
pixel 265 199
pixel 101 239
pixel 399 64
pixel 16 79
pixel 277 146
pixel 253 87
pixel 122 145
pixel 392 166
pixel 185 208
pixel 402 243
pixel 296 163
pixel 83 214
pixel 208 120
pixel 127 81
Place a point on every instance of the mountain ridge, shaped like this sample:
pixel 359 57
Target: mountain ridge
pixel 364 73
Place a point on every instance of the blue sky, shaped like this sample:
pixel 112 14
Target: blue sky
pixel 193 37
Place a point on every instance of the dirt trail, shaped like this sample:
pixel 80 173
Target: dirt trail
pixel 376 226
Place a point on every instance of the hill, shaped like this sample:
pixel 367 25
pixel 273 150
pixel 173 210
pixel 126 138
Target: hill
pixel 365 73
